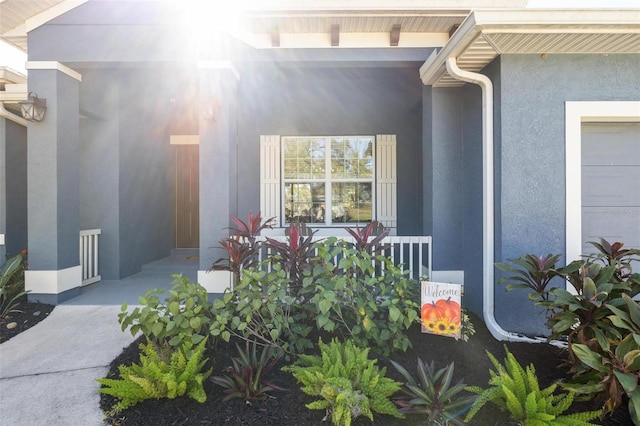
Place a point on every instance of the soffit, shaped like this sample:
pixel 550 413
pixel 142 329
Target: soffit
pixel 613 33
pixel 15 13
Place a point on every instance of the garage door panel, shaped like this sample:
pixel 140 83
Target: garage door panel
pixel 611 223
pixel 610 186
pixel 610 176
pixel 619 146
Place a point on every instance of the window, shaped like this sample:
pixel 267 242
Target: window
pixel 328 180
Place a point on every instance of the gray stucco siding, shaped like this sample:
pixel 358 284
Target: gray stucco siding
pixel 16 188
pixel 334 102
pixel 532 153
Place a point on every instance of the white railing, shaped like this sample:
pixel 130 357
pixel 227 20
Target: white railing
pixel 89 256
pixel 409 252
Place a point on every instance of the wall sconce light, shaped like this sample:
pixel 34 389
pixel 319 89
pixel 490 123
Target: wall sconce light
pixel 33 108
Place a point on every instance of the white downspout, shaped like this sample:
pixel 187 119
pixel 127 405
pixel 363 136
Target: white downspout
pixel 11 116
pixel 488 282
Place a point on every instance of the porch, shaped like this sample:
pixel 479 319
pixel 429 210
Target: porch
pixel 414 252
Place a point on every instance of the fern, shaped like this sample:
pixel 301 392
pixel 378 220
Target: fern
pixel 155 378
pixel 349 383
pixel 517 390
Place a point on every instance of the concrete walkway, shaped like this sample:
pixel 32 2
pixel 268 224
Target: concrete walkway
pixel 47 373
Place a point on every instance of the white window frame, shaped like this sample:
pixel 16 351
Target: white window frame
pixel 384 190
pixel 327 180
pixel 577 113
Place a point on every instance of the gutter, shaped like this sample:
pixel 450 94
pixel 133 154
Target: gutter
pixel 488 242
pixel 11 116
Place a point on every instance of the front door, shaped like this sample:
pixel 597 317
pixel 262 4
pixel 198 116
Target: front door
pixel 187 196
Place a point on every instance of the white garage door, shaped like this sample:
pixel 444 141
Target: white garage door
pixel 611 184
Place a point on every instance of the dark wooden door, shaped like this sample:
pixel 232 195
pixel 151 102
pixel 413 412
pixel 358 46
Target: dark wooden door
pixel 187 196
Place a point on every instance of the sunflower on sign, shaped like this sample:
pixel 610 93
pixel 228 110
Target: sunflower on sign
pixel 441 317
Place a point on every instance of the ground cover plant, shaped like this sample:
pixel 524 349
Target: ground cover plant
pixel 328 291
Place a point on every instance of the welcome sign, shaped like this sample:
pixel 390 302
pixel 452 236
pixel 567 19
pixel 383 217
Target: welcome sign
pixel 441 308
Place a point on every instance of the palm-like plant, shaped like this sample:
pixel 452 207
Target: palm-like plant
pixel 245 378
pixel 434 395
pixel 242 246
pixel 530 272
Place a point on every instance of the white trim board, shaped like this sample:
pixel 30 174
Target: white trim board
pixel 577 113
pixel 1 239
pixel 53 282
pixel 215 281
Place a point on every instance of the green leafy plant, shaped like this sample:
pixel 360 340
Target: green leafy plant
pixel 348 383
pixel 261 308
pixel 246 377
pixel 433 396
pixel 614 367
pixel 516 390
pixel 9 296
pixel 466 326
pixel 184 316
pixel 530 272
pixel 160 374
pixel 348 298
pixel 596 320
pixel 242 246
pixel 353 299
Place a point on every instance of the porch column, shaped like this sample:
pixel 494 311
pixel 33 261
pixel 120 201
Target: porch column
pixel 53 157
pixel 3 193
pixel 218 190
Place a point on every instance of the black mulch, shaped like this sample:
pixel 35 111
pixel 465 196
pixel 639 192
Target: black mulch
pixel 288 407
pixel 25 316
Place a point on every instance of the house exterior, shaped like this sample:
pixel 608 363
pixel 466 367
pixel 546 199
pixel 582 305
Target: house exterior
pixel 496 131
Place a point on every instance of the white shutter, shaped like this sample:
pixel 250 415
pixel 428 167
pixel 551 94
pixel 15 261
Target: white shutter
pixel 270 177
pixel 386 181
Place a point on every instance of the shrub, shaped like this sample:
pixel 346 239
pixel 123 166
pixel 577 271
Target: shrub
pixel 433 396
pixel 597 322
pixel 11 284
pixel 261 308
pixel 614 368
pixel 348 383
pixel 163 374
pixel 245 378
pixel 516 390
pixel 355 301
pixel 341 294
pixel 183 317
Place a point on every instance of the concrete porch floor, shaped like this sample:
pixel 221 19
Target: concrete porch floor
pixel 156 274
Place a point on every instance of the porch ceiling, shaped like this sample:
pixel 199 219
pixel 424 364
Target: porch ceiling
pixel 487 34
pixel 15 14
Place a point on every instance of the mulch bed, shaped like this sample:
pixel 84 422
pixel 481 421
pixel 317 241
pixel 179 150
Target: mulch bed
pixel 25 316
pixel 288 407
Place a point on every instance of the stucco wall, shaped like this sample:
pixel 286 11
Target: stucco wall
pixel 472 197
pixel 3 197
pixel 531 188
pixel 447 171
pixel 299 101
pixel 99 168
pixel 145 185
pixel 16 188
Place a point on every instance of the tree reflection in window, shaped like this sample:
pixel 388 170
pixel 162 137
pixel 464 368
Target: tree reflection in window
pixel 342 166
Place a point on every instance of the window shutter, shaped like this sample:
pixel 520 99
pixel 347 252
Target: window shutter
pixel 386 181
pixel 270 177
